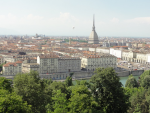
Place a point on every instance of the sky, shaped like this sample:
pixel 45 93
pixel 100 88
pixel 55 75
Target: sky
pixel 121 18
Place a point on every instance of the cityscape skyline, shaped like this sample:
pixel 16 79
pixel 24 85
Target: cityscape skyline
pixel 57 18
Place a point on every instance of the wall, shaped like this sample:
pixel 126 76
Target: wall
pixel 123 74
pixel 80 75
pixel 62 76
pixel 137 72
pixel 127 73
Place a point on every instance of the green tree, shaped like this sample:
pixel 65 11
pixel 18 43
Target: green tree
pixel 145 82
pixel 60 102
pixel 83 82
pixel 5 84
pixel 47 81
pixel 139 104
pixel 58 86
pixel 147 72
pixel 68 81
pixel 131 82
pixel 12 103
pixel 33 90
pixel 81 100
pixel 108 91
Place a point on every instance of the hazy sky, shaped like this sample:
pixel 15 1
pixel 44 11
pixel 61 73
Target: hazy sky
pixel 57 17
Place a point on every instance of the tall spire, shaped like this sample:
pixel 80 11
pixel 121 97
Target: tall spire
pixel 93 28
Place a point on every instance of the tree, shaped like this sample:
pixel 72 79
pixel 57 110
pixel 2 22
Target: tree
pixel 12 103
pixel 81 100
pixel 60 102
pixel 131 82
pixel 5 84
pixel 108 91
pixel 147 72
pixel 146 82
pixel 83 82
pixel 58 86
pixel 139 100
pixel 68 81
pixel 33 90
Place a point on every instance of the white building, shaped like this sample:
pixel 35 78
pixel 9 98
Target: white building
pixel 48 64
pixel 91 62
pixel 116 52
pixel 102 50
pixel 12 68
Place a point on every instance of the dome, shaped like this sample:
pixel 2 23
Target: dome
pixel 93 38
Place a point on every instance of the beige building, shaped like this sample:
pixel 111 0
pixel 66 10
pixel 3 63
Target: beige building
pixel 26 68
pixel 141 58
pixel 12 68
pixel 129 56
pixel 133 56
pixel 90 63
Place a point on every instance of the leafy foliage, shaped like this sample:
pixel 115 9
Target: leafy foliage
pixel 147 72
pixel 68 81
pixel 60 102
pixel 32 90
pixel 81 100
pixel 138 100
pixel 108 91
pixel 12 103
pixel 103 94
pixel 131 82
pixel 5 84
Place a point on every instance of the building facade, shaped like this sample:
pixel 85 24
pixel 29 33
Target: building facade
pixel 69 64
pixel 27 67
pixel 48 64
pixel 90 63
pixel 12 68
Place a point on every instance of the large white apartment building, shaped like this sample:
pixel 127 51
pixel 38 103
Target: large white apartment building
pixel 48 63
pixel 53 64
pixel 11 68
pixel 91 62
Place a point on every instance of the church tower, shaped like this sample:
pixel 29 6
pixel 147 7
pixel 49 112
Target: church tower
pixel 93 38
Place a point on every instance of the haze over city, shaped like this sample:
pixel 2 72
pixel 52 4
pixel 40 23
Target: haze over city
pixel 57 17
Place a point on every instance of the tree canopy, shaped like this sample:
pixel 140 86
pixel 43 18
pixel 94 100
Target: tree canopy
pixel 103 94
pixel 105 86
pixel 131 82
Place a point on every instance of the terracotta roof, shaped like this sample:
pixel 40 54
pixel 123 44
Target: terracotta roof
pixel 18 62
pixel 9 63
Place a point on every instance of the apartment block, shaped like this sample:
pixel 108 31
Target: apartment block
pixel 11 68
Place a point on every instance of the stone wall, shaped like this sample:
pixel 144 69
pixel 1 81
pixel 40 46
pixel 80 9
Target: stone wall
pixel 123 73
pixel 137 72
pixel 127 73
pixel 61 76
pixel 80 75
